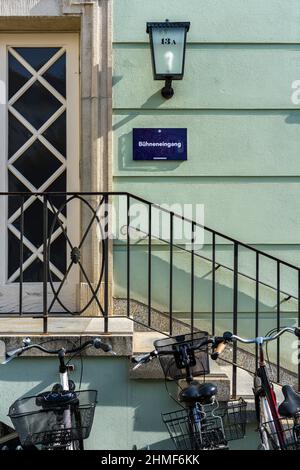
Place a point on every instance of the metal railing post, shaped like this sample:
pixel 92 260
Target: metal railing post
pixel 171 276
pixel 256 304
pixel 278 320
pixel 235 318
pixel 128 255
pixel 213 292
pixel 21 257
pixel 298 326
pixel 192 277
pixel 106 262
pixel 149 261
pixel 45 265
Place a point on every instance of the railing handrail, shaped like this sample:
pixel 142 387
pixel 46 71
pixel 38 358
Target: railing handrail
pixel 163 209
pixel 219 265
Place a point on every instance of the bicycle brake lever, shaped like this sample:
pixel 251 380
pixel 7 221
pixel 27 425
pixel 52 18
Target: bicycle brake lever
pixel 26 341
pixel 9 356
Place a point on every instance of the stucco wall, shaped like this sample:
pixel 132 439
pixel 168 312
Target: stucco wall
pixel 243 131
pixel 31 7
pixel 129 409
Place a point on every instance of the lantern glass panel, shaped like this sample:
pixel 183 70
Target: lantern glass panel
pixel 168 50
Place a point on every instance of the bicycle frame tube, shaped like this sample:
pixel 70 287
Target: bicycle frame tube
pixel 64 381
pixel 266 416
pixel 270 397
pixel 195 426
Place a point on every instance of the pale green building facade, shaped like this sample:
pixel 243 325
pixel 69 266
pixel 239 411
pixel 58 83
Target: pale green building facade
pixel 239 102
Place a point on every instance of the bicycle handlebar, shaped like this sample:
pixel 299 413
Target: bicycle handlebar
pixel 218 345
pixel 228 337
pixel 96 342
pixel 218 350
pixel 145 358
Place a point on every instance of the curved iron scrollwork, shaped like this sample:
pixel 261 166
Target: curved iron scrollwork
pixel 75 254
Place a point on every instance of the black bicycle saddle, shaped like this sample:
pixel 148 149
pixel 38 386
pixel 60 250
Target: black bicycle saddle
pixel 196 392
pixel 291 403
pixel 56 399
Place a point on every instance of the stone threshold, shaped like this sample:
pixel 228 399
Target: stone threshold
pixel 121 344
pixel 66 332
pixel 64 326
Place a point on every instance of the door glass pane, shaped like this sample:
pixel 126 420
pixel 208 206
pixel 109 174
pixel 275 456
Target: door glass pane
pixel 38 110
pixel 17 75
pixel 33 221
pixel 56 134
pixel 14 250
pixel 37 164
pixel 15 186
pixel 37 105
pixel 17 136
pixel 56 75
pixel 36 56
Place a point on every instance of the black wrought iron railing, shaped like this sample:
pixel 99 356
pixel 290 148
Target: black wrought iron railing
pixel 45 242
pixel 55 242
pixel 291 292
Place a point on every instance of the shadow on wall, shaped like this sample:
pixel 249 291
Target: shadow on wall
pixel 182 283
pixel 31 375
pixel 149 400
pixel 125 161
pixel 153 102
pixel 293 118
pixel 125 157
pixel 136 404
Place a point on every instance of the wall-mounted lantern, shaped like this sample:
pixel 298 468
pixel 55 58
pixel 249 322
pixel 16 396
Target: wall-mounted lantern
pixel 168 43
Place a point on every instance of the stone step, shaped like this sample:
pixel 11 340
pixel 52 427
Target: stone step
pixel 143 343
pixel 65 326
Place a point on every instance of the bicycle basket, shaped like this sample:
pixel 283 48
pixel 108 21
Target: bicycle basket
pixel 191 432
pixel 53 426
pixel 170 361
pixel 234 417
pixel 289 435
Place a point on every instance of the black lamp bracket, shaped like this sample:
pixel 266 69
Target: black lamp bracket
pixel 167 91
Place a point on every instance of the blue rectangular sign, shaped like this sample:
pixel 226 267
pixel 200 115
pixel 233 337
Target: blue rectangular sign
pixel 159 144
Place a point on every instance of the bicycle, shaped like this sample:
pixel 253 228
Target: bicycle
pixel 279 426
pixel 201 423
pixel 60 419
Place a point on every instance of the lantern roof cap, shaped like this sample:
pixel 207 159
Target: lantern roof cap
pixel 167 24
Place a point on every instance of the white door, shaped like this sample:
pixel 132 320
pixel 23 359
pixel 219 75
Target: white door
pixel 39 151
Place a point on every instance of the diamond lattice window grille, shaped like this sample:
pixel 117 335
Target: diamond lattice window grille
pixel 37 112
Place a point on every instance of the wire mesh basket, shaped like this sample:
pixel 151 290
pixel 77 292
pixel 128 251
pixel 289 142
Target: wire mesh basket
pixel 195 431
pixel 287 437
pixel 55 425
pixel 234 417
pixel 172 354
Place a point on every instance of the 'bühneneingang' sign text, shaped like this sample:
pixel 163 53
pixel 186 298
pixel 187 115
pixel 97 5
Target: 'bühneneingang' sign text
pixel 159 144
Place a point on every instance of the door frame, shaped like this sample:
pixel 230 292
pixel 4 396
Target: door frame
pixel 69 41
